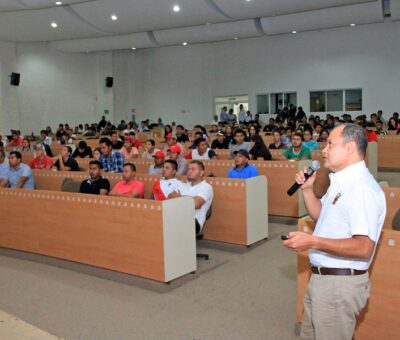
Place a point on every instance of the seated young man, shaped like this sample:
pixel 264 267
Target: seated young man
pixel 19 175
pixel 202 151
pixel 82 151
pixel 175 154
pixel 239 137
pixel 149 149
pixel 128 151
pixel 157 167
pixel 65 162
pixel 129 186
pixel 41 161
pixel 199 189
pixel 112 161
pixel 168 183
pixel 95 185
pixel 242 167
pixel 297 151
pixel 309 142
pixel 220 142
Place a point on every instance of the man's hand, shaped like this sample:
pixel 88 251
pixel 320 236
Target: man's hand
pixel 301 179
pixel 174 194
pixel 299 241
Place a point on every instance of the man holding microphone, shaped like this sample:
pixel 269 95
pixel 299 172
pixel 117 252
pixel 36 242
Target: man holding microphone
pixel 349 220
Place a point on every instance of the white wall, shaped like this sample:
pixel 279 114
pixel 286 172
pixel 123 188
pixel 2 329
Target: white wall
pixel 179 83
pixel 187 78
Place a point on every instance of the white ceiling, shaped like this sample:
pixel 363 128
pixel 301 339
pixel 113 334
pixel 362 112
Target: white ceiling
pixel 86 25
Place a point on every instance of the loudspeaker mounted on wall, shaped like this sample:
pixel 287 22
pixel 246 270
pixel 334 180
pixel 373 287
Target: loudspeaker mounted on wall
pixel 109 82
pixel 14 79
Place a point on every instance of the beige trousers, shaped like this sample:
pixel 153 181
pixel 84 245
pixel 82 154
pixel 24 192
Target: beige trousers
pixel 331 305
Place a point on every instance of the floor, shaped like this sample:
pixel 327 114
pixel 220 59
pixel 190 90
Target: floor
pixel 233 296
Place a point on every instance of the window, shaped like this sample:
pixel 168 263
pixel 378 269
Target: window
pixel 281 100
pixel 231 102
pixel 262 103
pixel 353 100
pixel 336 100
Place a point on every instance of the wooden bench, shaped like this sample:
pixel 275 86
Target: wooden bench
pixel 389 153
pixel 379 320
pixel 238 210
pixel 154 240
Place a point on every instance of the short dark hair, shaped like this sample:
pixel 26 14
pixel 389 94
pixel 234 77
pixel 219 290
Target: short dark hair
pixel 173 163
pixel 17 154
pixel 198 141
pixel 113 132
pixel 200 164
pixel 297 134
pixel 240 131
pixel 45 132
pixel 151 141
pixel 97 163
pixel 355 133
pixel 180 126
pixel 131 165
pixel 105 141
pixel 82 144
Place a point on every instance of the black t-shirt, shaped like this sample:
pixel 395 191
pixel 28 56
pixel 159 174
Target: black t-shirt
pixel 86 153
pixel 217 145
pixel 182 139
pixel 118 145
pixel 70 163
pixel 93 187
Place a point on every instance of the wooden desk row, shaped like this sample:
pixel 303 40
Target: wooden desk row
pixel 379 319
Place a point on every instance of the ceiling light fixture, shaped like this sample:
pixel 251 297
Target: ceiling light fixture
pixel 235 38
pixel 114 17
pixel 54 25
pixel 58 3
pixel 133 48
pixel 248 0
pixel 176 8
pixel 352 25
pixel 294 32
pixel 184 43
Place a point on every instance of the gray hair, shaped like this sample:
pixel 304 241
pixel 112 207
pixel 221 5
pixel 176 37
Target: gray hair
pixel 357 134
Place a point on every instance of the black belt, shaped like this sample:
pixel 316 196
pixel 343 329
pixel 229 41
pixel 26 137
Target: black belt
pixel 336 271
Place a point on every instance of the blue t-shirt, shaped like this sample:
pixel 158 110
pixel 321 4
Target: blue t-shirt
pixel 247 172
pixel 14 175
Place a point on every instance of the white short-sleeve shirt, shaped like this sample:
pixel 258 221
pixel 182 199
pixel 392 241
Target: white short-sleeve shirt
pixel 353 205
pixel 205 191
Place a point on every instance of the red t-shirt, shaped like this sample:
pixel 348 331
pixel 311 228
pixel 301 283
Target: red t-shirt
pixel 41 164
pixel 18 142
pixel 372 136
pixel 127 189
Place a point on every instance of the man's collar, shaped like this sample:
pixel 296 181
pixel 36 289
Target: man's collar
pixel 346 175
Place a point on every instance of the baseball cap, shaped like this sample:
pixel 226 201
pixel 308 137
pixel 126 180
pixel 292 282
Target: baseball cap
pixel 159 154
pixel 242 152
pixel 170 135
pixel 129 139
pixel 220 133
pixel 175 149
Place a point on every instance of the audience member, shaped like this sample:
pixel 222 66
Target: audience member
pixel 202 151
pixel 175 154
pixel 224 116
pixel 149 149
pixel 129 186
pixel 65 162
pixel 157 167
pixel 82 151
pixel 116 143
pixel 220 142
pixel 41 161
pixel 19 175
pixel 128 151
pixel 240 143
pixel 270 126
pixel 97 154
pixel 44 136
pixel 168 183
pixel 242 114
pixel 181 136
pixel 4 165
pixel 16 139
pixel 379 128
pixel 277 144
pixel 199 189
pixel 297 151
pixel 95 185
pixel 309 142
pixel 112 161
pixel 242 167
pixel 323 136
pixel 258 149
pixel 172 140
pixel 26 145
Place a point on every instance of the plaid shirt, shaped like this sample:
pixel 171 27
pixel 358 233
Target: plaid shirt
pixel 113 163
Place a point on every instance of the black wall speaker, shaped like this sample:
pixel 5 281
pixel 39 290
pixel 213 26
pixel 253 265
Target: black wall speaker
pixel 14 79
pixel 109 82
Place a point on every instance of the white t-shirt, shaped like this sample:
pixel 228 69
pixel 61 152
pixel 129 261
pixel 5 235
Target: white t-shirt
pixel 205 191
pixel 353 205
pixel 163 187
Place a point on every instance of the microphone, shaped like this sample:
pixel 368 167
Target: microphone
pixel 314 166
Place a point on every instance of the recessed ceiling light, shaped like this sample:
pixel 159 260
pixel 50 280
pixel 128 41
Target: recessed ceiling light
pixel 294 32
pixel 176 8
pixel 114 17
pixel 184 43
pixel 235 38
pixel 352 25
pixel 247 0
pixel 54 25
pixel 133 48
pixel 58 3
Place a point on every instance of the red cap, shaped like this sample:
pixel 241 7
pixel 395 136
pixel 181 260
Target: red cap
pixel 159 154
pixel 170 135
pixel 129 139
pixel 175 149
